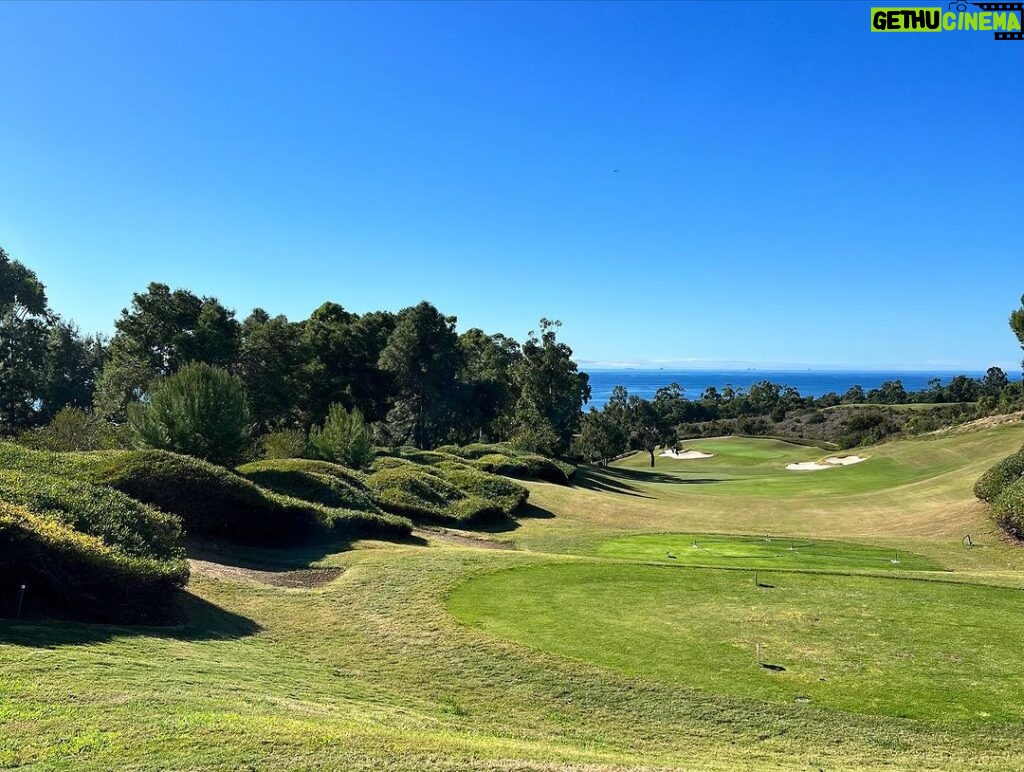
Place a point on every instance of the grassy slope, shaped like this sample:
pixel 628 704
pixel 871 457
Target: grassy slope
pixel 372 671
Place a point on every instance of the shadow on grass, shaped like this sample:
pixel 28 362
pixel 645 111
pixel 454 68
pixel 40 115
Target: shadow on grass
pixel 200 621
pixel 619 480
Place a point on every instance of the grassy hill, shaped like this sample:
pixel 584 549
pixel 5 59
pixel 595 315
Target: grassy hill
pixel 586 647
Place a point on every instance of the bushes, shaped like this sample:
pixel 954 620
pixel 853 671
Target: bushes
pixel 419 492
pixel 1008 509
pixel 117 520
pixel 344 438
pixel 999 477
pixel 80 575
pixel 72 429
pixel 199 411
pixel 500 458
pixel 210 500
pixel 509 496
pixel 316 481
pixel 287 443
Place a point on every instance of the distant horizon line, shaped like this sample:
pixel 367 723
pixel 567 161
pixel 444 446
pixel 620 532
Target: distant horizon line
pixel 738 367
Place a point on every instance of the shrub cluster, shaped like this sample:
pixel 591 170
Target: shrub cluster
pixel 420 492
pixel 119 521
pixel 991 484
pixel 502 459
pixel 81 576
pixel 1008 509
pixel 317 481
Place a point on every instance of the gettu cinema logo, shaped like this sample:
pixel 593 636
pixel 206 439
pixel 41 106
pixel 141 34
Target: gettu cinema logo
pixel 1002 19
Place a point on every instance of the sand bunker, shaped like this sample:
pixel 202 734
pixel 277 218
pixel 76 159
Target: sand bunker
pixel 829 463
pixel 685 455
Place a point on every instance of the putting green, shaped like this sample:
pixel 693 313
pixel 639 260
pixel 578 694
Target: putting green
pixel 759 552
pixel 911 648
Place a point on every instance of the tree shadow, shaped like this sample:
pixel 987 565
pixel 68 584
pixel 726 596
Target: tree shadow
pixel 199 620
pixel 289 558
pixel 619 480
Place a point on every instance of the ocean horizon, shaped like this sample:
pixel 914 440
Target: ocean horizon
pixel 644 382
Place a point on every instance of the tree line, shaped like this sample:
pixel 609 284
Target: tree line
pixel 411 375
pixel 628 422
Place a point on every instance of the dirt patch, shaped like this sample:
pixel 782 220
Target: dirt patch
pixel 983 423
pixel 301 579
pixel 461 538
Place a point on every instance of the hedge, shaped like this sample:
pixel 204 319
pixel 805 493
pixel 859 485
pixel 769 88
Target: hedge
pixel 999 477
pixel 317 481
pixel 210 500
pixel 80 576
pixel 1008 509
pixel 119 521
pixel 419 492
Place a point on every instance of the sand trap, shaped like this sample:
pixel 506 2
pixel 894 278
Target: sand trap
pixel 829 463
pixel 685 455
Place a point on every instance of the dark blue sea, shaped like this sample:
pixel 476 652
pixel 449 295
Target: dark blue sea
pixel 808 382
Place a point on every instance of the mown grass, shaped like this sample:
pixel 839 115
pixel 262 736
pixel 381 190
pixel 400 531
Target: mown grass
pixel 771 552
pixel 373 672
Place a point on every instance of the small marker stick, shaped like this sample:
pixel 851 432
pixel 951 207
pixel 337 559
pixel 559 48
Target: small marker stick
pixel 21 599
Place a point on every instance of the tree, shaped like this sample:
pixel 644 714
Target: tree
pixel 423 356
pixel 24 320
pixel 599 439
pixel 343 439
pixel 854 395
pixel 994 382
pixel 161 332
pixel 272 362
pixel 487 390
pixel 647 426
pixel 199 411
pixel 1017 324
pixel 551 390
pixel 72 364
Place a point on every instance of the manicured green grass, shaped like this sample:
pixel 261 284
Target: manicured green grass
pixel 759 552
pixel 921 649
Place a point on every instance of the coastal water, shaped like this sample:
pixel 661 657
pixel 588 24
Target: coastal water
pixel 808 382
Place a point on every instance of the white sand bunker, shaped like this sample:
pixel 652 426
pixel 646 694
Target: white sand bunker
pixel 829 463
pixel 685 455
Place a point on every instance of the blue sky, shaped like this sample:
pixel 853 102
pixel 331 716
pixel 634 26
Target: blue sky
pixel 791 188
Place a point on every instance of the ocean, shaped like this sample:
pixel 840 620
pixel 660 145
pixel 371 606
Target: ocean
pixel 808 382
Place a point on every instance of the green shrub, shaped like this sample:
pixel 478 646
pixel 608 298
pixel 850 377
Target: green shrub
pixel 526 466
pixel 344 438
pixel 1008 509
pixel 288 443
pixel 508 495
pixel 14 456
pixel 81 576
pixel 198 411
pixel 316 481
pixel 210 500
pixel 418 492
pixel 72 429
pixel 117 520
pixel 999 477
pixel 390 462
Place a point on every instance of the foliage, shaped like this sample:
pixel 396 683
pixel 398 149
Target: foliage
pixel 117 520
pixel 419 492
pixel 80 576
pixel 991 484
pixel 163 331
pixel 1017 324
pixel 317 481
pixel 285 443
pixel 210 500
pixel 72 429
pixel 272 360
pixel 343 439
pixel 1008 508
pixel 423 357
pixel 199 411
pixel 551 392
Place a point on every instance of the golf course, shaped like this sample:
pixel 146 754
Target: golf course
pixel 712 613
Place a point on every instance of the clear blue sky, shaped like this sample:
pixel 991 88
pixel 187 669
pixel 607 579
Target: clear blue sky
pixel 791 188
